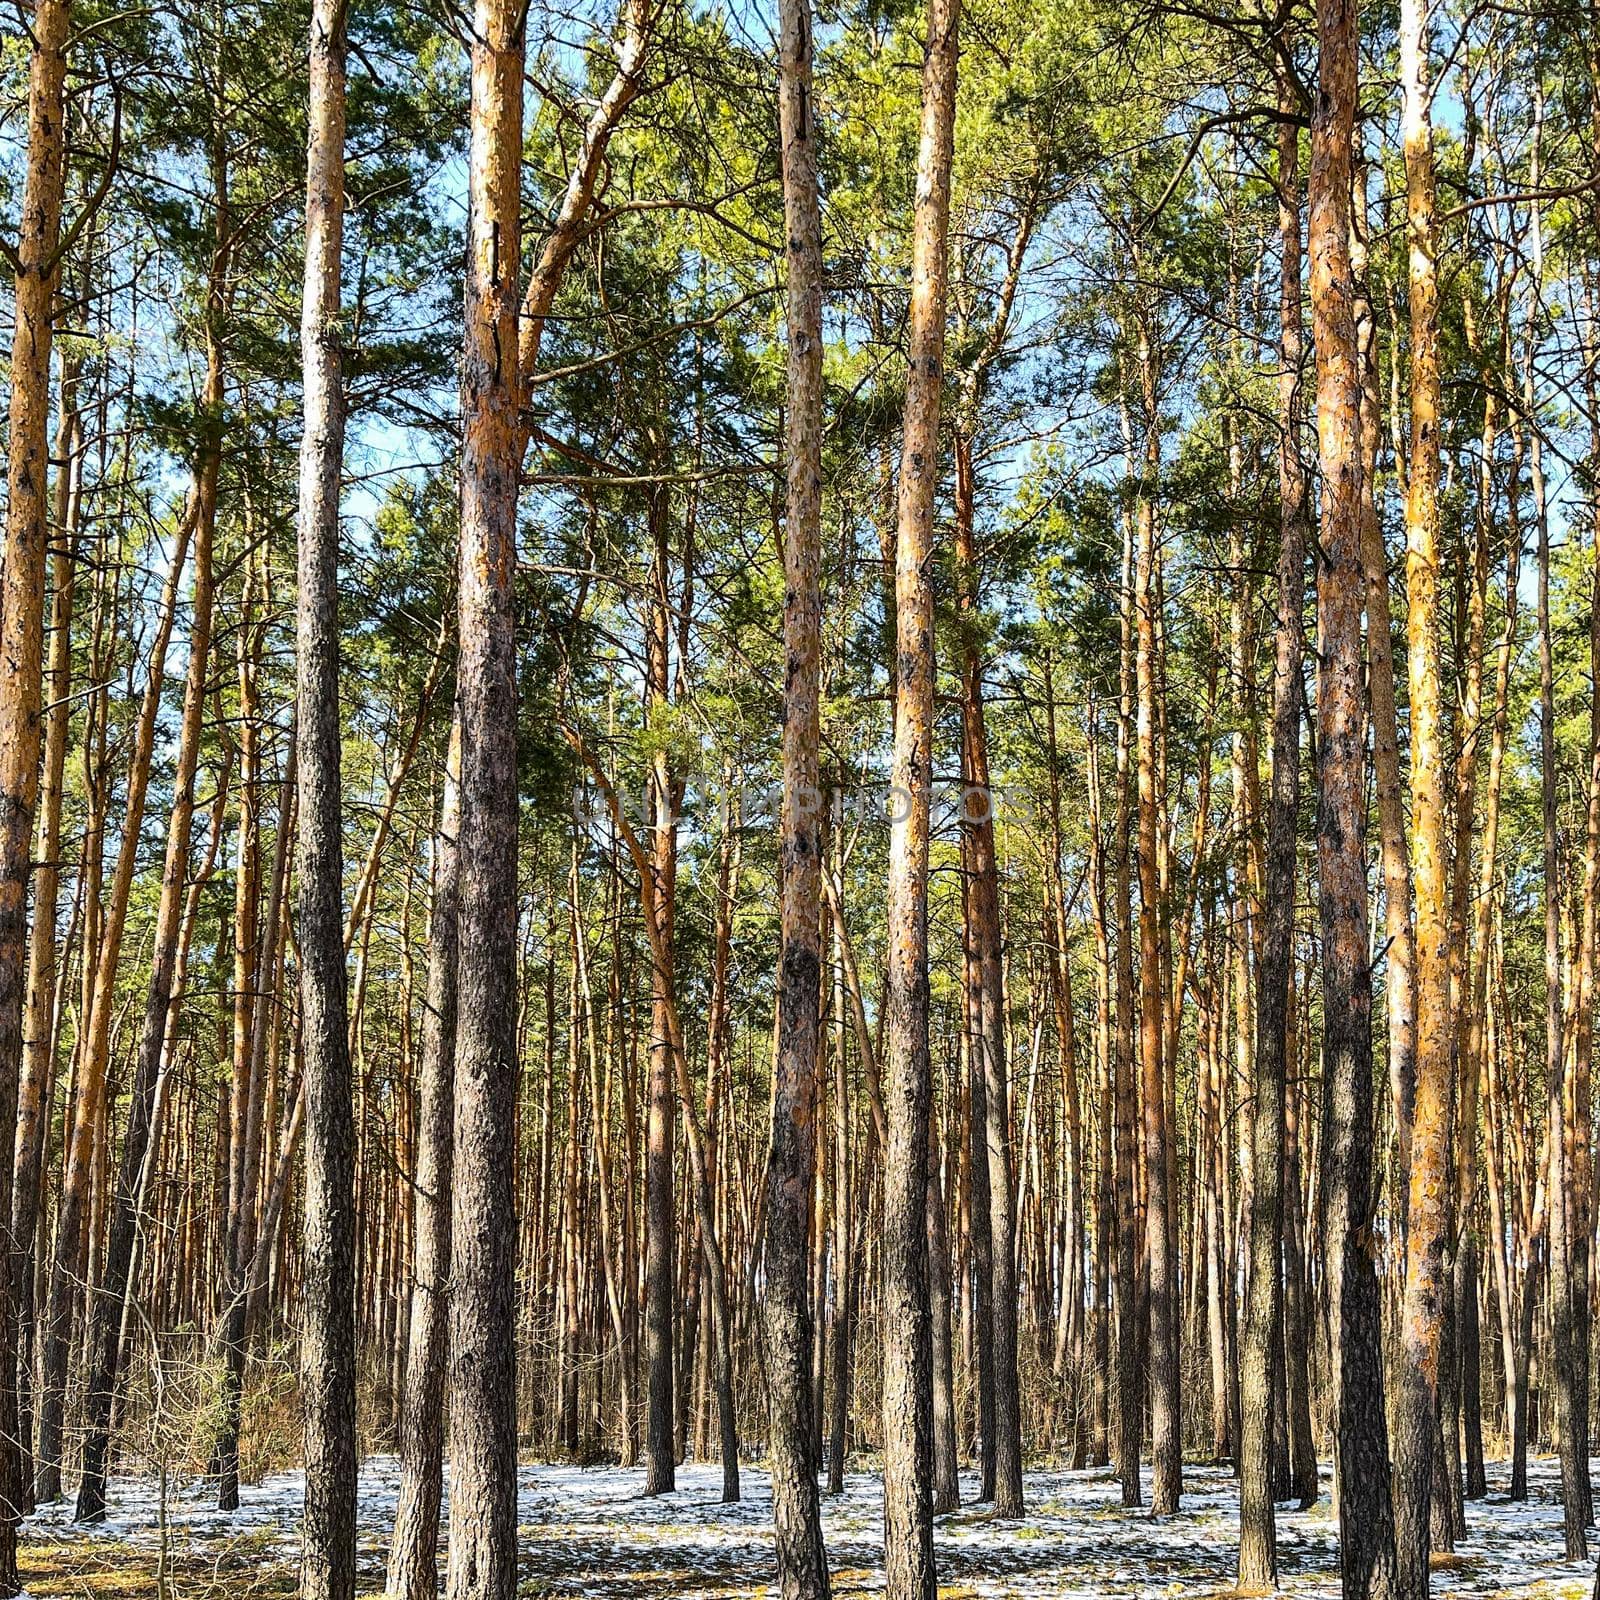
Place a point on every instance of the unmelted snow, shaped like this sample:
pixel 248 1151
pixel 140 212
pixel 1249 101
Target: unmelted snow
pixel 591 1532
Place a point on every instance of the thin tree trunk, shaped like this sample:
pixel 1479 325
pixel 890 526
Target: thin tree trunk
pixel 1461 1382
pixel 660 1198
pixel 978 1173
pixel 39 1032
pixel 1166 1415
pixel 987 1041
pixel 1400 963
pixel 1298 1315
pixel 1258 1556
pixel 1130 1420
pixel 844 1258
pixel 1105 1178
pixel 413 1572
pixel 1565 1286
pixel 946 1482
pixel 599 1102
pixel 237 1223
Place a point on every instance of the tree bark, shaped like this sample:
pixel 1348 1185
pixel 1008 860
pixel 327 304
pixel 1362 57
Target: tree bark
pixel 1476 1062
pixel 1459 1376
pixel 844 1201
pixel 1428 1202
pixel 978 1181
pixel 987 1042
pixel 1166 1415
pixel 413 1572
pixel 483 1423
pixel 660 1196
pixel 39 1016
pixel 946 1478
pixel 1105 1178
pixel 1563 1256
pixel 1258 1556
pixel 328 1353
pixel 1400 963
pixel 1130 1418
pixel 1366 1525
pixel 792 1159
pixel 908 1090
pixel 22 586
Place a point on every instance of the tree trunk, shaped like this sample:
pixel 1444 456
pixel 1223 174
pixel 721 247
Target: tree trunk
pixel 660 1197
pixel 610 1244
pixel 1428 1207
pixel 978 1186
pixel 1400 964
pixel 946 1482
pixel 1298 1313
pixel 1166 1415
pixel 237 1222
pixel 39 1039
pixel 22 586
pixel 1477 1059
pixel 791 1163
pixel 413 1572
pixel 1069 1363
pixel 328 1354
pixel 1105 1210
pixel 1460 1382
pixel 987 1041
pixel 1366 1525
pixel 844 1199
pixel 1258 1556
pixel 908 1089
pixel 1130 1418
pixel 483 1422
pixel 1564 1251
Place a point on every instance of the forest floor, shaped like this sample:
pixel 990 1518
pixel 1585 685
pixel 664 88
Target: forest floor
pixel 590 1534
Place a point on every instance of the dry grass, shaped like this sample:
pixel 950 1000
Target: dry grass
pixel 96 1569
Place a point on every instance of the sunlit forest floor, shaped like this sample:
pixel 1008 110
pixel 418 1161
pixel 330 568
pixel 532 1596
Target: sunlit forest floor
pixel 590 1532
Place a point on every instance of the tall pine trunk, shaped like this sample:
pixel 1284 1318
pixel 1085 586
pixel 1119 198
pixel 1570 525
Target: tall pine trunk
pixel 908 1086
pixel 1166 1414
pixel 1428 1198
pixel 483 1421
pixel 1130 1408
pixel 1258 1556
pixel 988 1036
pixel 660 1194
pixel 327 1352
pixel 22 585
pixel 1366 1523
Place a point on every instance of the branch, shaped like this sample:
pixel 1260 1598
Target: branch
pixel 1223 119
pixel 102 189
pixel 1515 198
